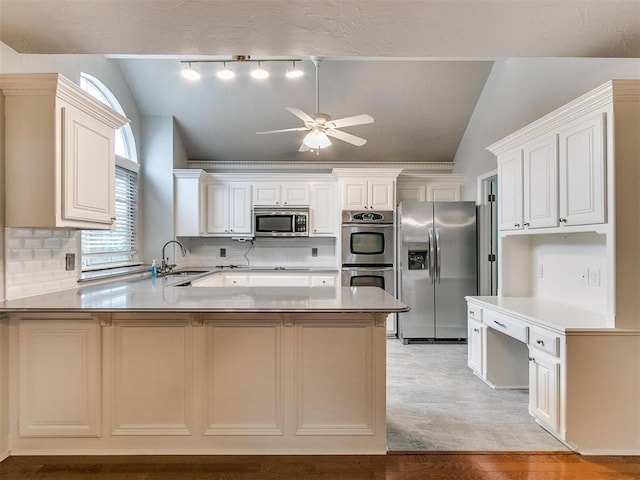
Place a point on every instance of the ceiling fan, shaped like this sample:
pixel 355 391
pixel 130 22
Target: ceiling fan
pixel 321 126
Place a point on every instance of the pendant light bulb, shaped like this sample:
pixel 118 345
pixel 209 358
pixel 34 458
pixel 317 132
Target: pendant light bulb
pixel 259 73
pixel 225 73
pixel 294 72
pixel 190 73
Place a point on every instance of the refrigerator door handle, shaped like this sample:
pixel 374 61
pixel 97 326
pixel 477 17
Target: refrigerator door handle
pixel 438 255
pixel 431 259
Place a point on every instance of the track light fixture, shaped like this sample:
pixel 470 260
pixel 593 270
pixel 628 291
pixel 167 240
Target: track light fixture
pixel 226 73
pixel 259 72
pixel 294 72
pixel 190 73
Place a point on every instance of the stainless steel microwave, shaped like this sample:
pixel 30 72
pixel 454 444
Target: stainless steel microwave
pixel 281 222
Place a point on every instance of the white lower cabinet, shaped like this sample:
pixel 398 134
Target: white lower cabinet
pixel 59 378
pixel 544 388
pixel 476 347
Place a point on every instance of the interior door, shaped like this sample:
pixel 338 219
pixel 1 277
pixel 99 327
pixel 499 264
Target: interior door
pixel 455 275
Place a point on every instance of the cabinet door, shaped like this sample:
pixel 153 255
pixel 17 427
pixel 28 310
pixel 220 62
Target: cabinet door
pixel 88 169
pixel 541 183
pixel 380 195
pixel 218 208
pixel 411 193
pixel 295 194
pixel 475 347
pixel 582 172
pixel 443 192
pixel 240 208
pixel 322 210
pixel 354 194
pixel 59 378
pixel 544 388
pixel 510 191
pixel 267 193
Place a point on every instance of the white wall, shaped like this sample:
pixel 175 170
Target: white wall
pixel 521 90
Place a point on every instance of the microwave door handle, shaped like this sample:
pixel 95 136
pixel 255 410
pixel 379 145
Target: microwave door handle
pixel 430 260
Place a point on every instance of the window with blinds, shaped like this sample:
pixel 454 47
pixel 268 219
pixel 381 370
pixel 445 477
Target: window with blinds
pixel 117 247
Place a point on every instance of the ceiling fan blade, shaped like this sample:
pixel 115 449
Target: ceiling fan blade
pixel 303 148
pixel 346 137
pixel 297 129
pixel 301 115
pixel 350 121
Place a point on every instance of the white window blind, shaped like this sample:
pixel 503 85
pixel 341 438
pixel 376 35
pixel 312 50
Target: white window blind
pixel 117 247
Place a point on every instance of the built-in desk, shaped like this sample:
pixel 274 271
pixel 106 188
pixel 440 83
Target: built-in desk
pixel 583 376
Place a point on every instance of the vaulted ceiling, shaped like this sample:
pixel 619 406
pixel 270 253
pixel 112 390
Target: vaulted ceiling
pixel 417 67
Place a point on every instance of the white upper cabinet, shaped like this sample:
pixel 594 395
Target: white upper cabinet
pixel 228 209
pixel 280 194
pixel 430 188
pixel 368 194
pixel 59 154
pixel 582 171
pixel 541 183
pixel 324 214
pixel 510 191
pixel 190 202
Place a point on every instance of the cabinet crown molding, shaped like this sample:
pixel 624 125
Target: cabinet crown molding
pixel 59 86
pixel 610 92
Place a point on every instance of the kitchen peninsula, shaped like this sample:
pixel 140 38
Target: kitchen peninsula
pixel 145 367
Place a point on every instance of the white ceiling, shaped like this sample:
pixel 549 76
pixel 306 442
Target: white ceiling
pixel 421 104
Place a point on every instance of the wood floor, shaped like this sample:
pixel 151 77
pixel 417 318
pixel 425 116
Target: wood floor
pixel 432 466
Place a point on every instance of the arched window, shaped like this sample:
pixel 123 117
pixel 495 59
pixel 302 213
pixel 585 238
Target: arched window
pixel 118 247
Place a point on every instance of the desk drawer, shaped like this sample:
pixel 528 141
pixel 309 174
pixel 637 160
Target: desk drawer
pixel 506 324
pixel 544 340
pixel 474 311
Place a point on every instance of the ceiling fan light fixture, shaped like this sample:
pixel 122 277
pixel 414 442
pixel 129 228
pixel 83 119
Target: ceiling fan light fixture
pixel 316 139
pixel 190 73
pixel 225 73
pixel 294 72
pixel 259 73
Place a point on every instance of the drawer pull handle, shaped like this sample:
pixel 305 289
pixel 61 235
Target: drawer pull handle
pixel 500 324
pixel 540 342
pixel 531 359
pixel 471 312
pixel 476 330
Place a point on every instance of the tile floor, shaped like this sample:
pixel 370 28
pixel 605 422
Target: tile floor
pixel 434 402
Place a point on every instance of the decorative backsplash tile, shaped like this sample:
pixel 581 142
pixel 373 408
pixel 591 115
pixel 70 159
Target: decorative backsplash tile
pixel 35 261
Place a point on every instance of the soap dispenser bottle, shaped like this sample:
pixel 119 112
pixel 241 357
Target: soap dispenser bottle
pixel 154 269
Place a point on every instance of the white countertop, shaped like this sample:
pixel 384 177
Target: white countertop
pixel 152 295
pixel 546 313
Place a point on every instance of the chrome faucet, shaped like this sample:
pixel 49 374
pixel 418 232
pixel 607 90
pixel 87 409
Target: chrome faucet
pixel 165 267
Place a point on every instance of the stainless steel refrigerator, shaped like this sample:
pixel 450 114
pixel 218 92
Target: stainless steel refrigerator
pixel 437 267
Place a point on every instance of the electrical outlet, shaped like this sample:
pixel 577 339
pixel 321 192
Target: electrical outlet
pixel 70 261
pixel 594 277
pixel 314 252
pixel 539 270
pixel 223 252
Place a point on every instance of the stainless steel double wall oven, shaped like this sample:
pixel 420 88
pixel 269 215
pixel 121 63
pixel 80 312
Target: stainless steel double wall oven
pixel 368 249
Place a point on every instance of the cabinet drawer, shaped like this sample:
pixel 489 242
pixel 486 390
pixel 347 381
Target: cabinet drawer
pixel 506 324
pixel 545 341
pixel 474 311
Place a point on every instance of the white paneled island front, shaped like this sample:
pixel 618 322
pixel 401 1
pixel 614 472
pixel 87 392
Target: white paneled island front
pixel 144 368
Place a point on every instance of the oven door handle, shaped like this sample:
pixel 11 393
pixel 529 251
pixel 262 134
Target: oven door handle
pixel 367 269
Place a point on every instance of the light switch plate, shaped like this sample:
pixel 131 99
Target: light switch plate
pixel 539 270
pixel 594 277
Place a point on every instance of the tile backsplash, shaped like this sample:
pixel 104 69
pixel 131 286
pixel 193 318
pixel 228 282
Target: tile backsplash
pixel 264 252
pixel 35 261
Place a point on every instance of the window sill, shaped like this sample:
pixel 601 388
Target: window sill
pixel 112 273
